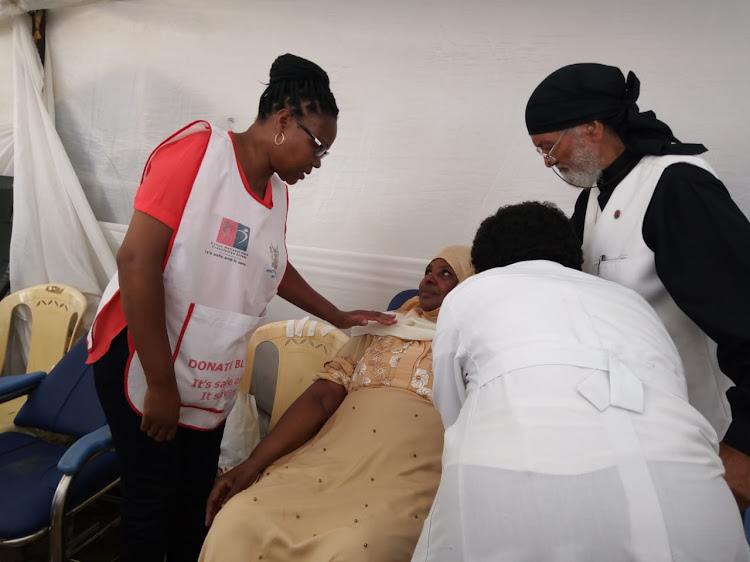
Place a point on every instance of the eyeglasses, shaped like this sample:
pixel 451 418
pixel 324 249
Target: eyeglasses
pixel 548 158
pixel 322 150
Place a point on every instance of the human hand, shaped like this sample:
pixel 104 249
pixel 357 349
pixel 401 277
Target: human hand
pixel 228 485
pixel 347 319
pixel 737 474
pixel 161 412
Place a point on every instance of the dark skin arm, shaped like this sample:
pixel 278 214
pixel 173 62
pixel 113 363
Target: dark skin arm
pixel 737 474
pixel 295 289
pixel 302 420
pixel 139 263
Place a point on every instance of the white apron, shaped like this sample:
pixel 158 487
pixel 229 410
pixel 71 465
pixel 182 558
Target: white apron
pixel 226 261
pixel 614 249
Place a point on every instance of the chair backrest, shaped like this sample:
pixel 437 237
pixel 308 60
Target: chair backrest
pixel 65 401
pixel 57 313
pixel 401 297
pixel 303 346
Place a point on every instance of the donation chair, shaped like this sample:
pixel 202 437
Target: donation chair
pixel 44 479
pixel 303 346
pixel 57 313
pixel 400 298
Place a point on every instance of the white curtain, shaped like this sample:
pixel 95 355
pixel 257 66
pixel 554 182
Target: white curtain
pixel 55 237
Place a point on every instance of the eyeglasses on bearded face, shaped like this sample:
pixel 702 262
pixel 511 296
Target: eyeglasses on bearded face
pixel 550 160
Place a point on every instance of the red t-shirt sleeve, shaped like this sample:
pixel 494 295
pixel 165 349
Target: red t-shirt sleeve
pixel 167 182
pixel 163 194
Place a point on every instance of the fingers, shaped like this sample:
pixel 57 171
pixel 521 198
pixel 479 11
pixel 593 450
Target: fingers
pixel 159 432
pixel 363 316
pixel 166 433
pixel 216 500
pixel 381 317
pixel 232 491
pixel 171 432
pixel 386 319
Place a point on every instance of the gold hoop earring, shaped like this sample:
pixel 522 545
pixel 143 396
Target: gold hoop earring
pixel 276 139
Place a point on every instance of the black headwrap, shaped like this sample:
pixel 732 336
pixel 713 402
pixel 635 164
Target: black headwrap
pixel 579 93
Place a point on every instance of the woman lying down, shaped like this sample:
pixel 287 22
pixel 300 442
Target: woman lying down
pixel 350 470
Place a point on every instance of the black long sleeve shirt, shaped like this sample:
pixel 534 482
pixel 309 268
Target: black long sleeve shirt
pixel 701 245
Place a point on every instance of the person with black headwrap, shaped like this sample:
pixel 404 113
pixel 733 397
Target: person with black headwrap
pixel 654 217
pixel 204 254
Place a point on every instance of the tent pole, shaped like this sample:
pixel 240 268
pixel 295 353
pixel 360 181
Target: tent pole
pixel 38 29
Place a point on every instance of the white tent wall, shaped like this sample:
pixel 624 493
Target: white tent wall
pixel 432 94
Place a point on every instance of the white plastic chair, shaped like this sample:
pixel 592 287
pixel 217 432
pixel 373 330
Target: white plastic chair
pixel 304 346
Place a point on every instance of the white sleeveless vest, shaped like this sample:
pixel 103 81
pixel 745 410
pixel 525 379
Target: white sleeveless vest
pixel 226 261
pixel 614 249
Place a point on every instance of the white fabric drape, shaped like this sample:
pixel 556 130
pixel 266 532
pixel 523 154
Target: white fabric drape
pixel 55 237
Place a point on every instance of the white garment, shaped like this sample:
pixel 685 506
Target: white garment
pixel 569 436
pixel 225 264
pixel 614 249
pixel 409 326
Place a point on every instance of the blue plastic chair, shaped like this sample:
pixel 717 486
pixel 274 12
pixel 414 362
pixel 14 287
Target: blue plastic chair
pixel 401 297
pixel 41 482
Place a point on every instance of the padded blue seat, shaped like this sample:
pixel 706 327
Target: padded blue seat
pixel 30 464
pixel 41 481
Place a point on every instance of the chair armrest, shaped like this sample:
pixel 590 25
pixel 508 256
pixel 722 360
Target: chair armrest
pixel 84 449
pixel 13 386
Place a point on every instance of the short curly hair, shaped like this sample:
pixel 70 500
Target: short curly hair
pixel 523 232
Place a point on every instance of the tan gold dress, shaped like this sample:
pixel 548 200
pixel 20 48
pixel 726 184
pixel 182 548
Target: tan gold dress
pixel 362 487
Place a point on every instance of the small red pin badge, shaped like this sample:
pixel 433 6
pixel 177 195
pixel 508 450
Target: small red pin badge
pixel 617 214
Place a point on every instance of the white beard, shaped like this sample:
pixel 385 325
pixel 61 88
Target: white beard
pixel 584 169
pixel 581 178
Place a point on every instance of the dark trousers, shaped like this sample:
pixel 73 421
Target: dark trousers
pixel 164 485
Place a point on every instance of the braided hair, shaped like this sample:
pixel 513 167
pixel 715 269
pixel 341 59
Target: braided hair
pixel 298 85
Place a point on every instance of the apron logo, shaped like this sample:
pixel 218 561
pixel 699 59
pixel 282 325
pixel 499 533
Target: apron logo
pixel 231 242
pixel 234 234
pixel 274 253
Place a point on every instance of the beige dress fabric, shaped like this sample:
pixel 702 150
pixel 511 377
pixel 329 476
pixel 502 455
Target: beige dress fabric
pixel 359 490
